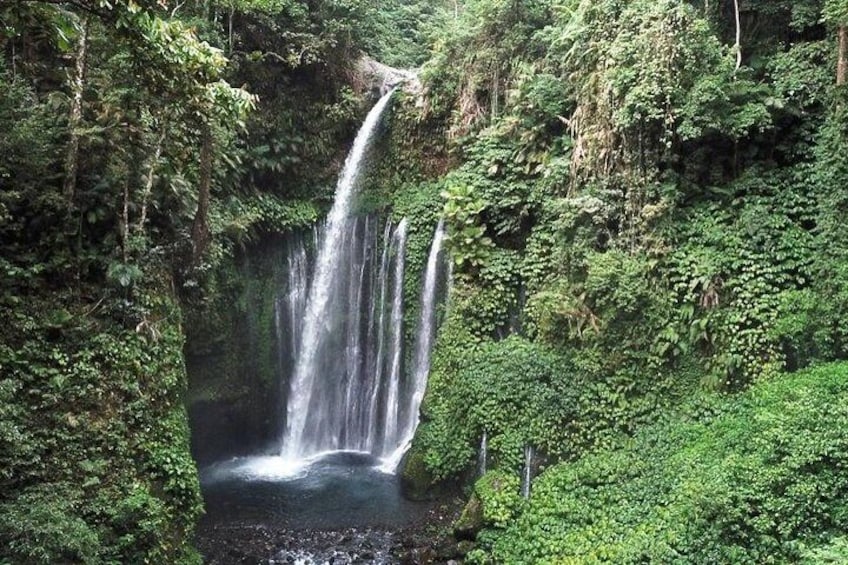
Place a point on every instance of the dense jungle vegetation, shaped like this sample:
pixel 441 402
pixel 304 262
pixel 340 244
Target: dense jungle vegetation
pixel 645 203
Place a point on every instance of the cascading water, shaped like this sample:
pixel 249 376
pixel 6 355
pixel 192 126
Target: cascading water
pixel 347 390
pixel 483 454
pixel 527 471
pixel 340 336
pixel 425 334
pixel 339 322
pixel 390 425
pixel 291 302
pixel 303 423
pixel 356 394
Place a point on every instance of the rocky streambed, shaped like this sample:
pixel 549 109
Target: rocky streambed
pixel 264 543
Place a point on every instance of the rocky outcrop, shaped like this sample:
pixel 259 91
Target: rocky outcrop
pixel 378 78
pixel 416 481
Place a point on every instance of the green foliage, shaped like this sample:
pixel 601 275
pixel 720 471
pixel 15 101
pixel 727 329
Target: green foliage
pixel 477 51
pixel 40 527
pixel 520 393
pixel 834 551
pixel 662 203
pixel 742 480
pixel 404 30
pixel 241 219
pixel 94 452
pixel 499 495
pixel 672 222
pixel 466 237
pixel 801 76
pixel 419 204
pixel 123 275
pixel 26 145
pixel 836 11
pixel 643 212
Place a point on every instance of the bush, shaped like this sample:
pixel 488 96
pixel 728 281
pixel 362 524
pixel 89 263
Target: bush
pixel 516 391
pixel 93 438
pixel 753 479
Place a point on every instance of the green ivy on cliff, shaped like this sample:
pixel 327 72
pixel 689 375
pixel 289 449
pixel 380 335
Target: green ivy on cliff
pixel 94 436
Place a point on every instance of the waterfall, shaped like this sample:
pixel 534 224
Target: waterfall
pixel 357 388
pixel 483 454
pixel 526 473
pixel 290 304
pixel 426 331
pixel 340 330
pixel 318 329
pixel 375 363
pixel 390 431
pixel 424 337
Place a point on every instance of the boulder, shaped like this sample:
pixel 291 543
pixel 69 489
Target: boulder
pixel 416 482
pixel 470 522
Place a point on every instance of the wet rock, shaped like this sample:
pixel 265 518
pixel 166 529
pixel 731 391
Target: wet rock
pixel 419 556
pixel 470 522
pixel 416 482
pixel 446 550
pixel 380 78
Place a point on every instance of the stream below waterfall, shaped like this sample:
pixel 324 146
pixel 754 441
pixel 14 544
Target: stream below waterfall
pixel 341 490
pixel 339 509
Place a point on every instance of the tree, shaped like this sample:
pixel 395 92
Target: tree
pixel 738 46
pixel 75 117
pixel 842 58
pixel 836 13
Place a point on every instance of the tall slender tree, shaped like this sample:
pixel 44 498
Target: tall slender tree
pixel 75 115
pixel 842 57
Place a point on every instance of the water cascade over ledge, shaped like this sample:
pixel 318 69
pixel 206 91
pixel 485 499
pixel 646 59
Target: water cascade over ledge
pixel 424 337
pixel 318 327
pixel 340 329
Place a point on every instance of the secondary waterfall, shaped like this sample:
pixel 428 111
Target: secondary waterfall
pixel 340 327
pixel 424 337
pixel 483 454
pixel 527 471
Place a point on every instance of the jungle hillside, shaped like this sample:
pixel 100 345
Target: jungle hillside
pixel 642 356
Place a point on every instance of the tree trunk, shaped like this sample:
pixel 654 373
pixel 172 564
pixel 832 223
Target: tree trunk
pixel 738 35
pixel 496 92
pixel 200 236
pixel 842 64
pixel 125 221
pixel 69 185
pixel 230 31
pixel 148 182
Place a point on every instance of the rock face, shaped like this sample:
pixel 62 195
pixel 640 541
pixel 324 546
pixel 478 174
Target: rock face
pixel 379 78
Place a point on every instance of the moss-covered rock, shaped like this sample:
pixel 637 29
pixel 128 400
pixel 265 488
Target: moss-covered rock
pixel 499 494
pixel 470 521
pixel 415 480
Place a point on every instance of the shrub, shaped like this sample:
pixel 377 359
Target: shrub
pixel 753 479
